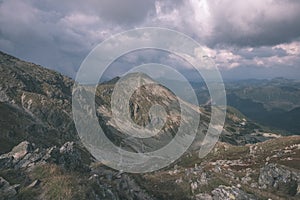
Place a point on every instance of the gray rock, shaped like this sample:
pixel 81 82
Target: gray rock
pixel 124 185
pixel 203 179
pixel 23 156
pixel 34 184
pixel 203 197
pixel 17 154
pixel 229 193
pixel 100 191
pixel 69 157
pixel 6 161
pixel 29 160
pixel 129 189
pixel 3 96
pixel 19 151
pixel 280 178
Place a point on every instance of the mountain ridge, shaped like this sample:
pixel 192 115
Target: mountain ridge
pixel 43 158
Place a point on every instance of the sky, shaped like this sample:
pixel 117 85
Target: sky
pixel 246 39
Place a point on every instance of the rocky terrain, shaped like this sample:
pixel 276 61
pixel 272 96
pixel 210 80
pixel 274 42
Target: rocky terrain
pixel 268 170
pixel 34 105
pixel 43 158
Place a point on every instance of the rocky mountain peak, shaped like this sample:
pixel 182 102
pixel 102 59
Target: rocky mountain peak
pixel 41 156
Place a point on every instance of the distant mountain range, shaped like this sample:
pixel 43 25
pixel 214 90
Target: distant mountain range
pixel 273 103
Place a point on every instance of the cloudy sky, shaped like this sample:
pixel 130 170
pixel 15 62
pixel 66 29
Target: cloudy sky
pixel 247 39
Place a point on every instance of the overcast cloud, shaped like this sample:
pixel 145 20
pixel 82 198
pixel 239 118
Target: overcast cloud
pixel 255 38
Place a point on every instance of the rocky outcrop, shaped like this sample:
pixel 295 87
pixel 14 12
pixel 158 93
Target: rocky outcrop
pixel 228 193
pixel 124 185
pixel 69 157
pixel 7 191
pixel 282 179
pixel 25 156
pixel 225 193
pixel 19 151
pixel 15 155
pixel 100 183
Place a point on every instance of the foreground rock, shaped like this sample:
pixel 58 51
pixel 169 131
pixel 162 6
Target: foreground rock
pixel 280 178
pixel 268 170
pixel 24 156
pixel 19 151
pixel 64 171
pixel 226 193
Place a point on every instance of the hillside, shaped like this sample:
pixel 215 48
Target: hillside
pixel 273 103
pixel 34 105
pixel 43 158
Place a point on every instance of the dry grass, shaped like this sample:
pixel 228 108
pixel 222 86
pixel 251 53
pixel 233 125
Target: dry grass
pixel 58 184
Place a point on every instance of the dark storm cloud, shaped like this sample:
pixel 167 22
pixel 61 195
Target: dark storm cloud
pixel 59 34
pixel 255 22
pixel 233 22
pixel 115 11
pixel 125 12
pixel 49 34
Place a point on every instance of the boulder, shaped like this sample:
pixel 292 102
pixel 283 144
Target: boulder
pixel 279 178
pixel 24 156
pixel 19 151
pixel 15 155
pixel 229 193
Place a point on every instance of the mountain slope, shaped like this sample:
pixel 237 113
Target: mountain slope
pixel 34 103
pixel 36 106
pixel 43 158
pixel 273 103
